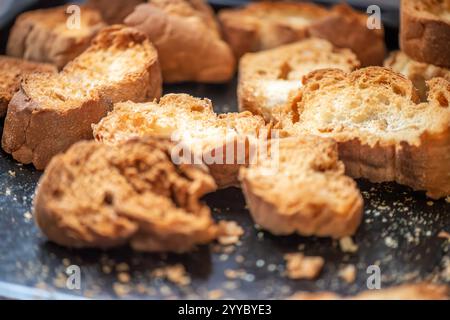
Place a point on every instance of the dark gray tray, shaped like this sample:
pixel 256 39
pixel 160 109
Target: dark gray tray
pixel 398 233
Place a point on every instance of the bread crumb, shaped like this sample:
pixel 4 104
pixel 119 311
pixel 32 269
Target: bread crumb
pixel 229 232
pixel 27 215
pixel 106 269
pixel 121 289
pixel 348 273
pixel 122 267
pixel 444 235
pixel 175 274
pixel 347 245
pixel 300 267
pixel 215 294
pixel 447 199
pixel 123 277
pixel 430 203
pixel 12 173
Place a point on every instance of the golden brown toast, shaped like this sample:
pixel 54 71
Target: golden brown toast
pixel 265 25
pixel 95 195
pixel 384 132
pixel 302 189
pixel 45 36
pixel 190 121
pixel 266 78
pixel 51 112
pixel 187 38
pixel 12 71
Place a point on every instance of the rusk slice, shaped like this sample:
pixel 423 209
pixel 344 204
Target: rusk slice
pixel 49 35
pixel 114 11
pixel 425 31
pixel 187 38
pixel 266 78
pixel 51 112
pixel 301 188
pixel 417 72
pixel 12 71
pixel 95 195
pixel 224 142
pixel 384 133
pixel 265 25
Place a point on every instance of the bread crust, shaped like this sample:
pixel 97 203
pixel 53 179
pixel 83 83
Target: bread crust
pixel 187 38
pixel 101 196
pixel 424 34
pixel 42 35
pixel 266 78
pixel 335 212
pixel 114 11
pixel 252 29
pixel 36 128
pixel 419 159
pixel 13 70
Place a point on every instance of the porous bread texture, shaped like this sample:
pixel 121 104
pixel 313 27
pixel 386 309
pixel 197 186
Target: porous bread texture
pixel 266 78
pixel 224 142
pixel 12 71
pixel 51 112
pixel 265 25
pixel 418 291
pixel 302 189
pixel 417 72
pixel 45 35
pixel 114 11
pixel 100 196
pixel 384 133
pixel 187 38
pixel 425 31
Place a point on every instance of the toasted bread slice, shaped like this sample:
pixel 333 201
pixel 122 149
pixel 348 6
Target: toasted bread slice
pixel 384 133
pixel 425 31
pixel 187 38
pixel 267 77
pixel 51 112
pixel 301 188
pixel 417 72
pixel 265 25
pixel 224 142
pixel 46 35
pixel 114 11
pixel 101 196
pixel 419 291
pixel 12 71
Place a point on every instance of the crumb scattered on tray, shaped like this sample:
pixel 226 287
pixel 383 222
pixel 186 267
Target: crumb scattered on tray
pixel 12 173
pixel 175 274
pixel 122 267
pixel 347 245
pixel 229 232
pixel 215 294
pixel 298 266
pixel 123 277
pixel 27 215
pixel 444 235
pixel 447 199
pixel 348 273
pixel 121 289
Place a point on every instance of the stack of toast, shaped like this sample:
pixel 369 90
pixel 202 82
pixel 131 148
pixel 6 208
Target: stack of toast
pixel 312 95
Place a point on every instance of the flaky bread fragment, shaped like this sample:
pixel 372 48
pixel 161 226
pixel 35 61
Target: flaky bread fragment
pixel 301 188
pixel 114 11
pixel 425 30
pixel 419 291
pixel 265 25
pixel 47 35
pixel 95 195
pixel 384 133
pixel 417 72
pixel 12 71
pixel 266 78
pixel 190 121
pixel 187 38
pixel 51 112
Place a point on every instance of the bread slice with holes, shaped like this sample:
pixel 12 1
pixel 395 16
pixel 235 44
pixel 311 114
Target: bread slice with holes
pixel 425 31
pixel 47 35
pixel 12 71
pixel 418 72
pixel 384 132
pixel 223 142
pixel 188 40
pixel 95 195
pixel 265 25
pixel 300 187
pixel 50 112
pixel 266 78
